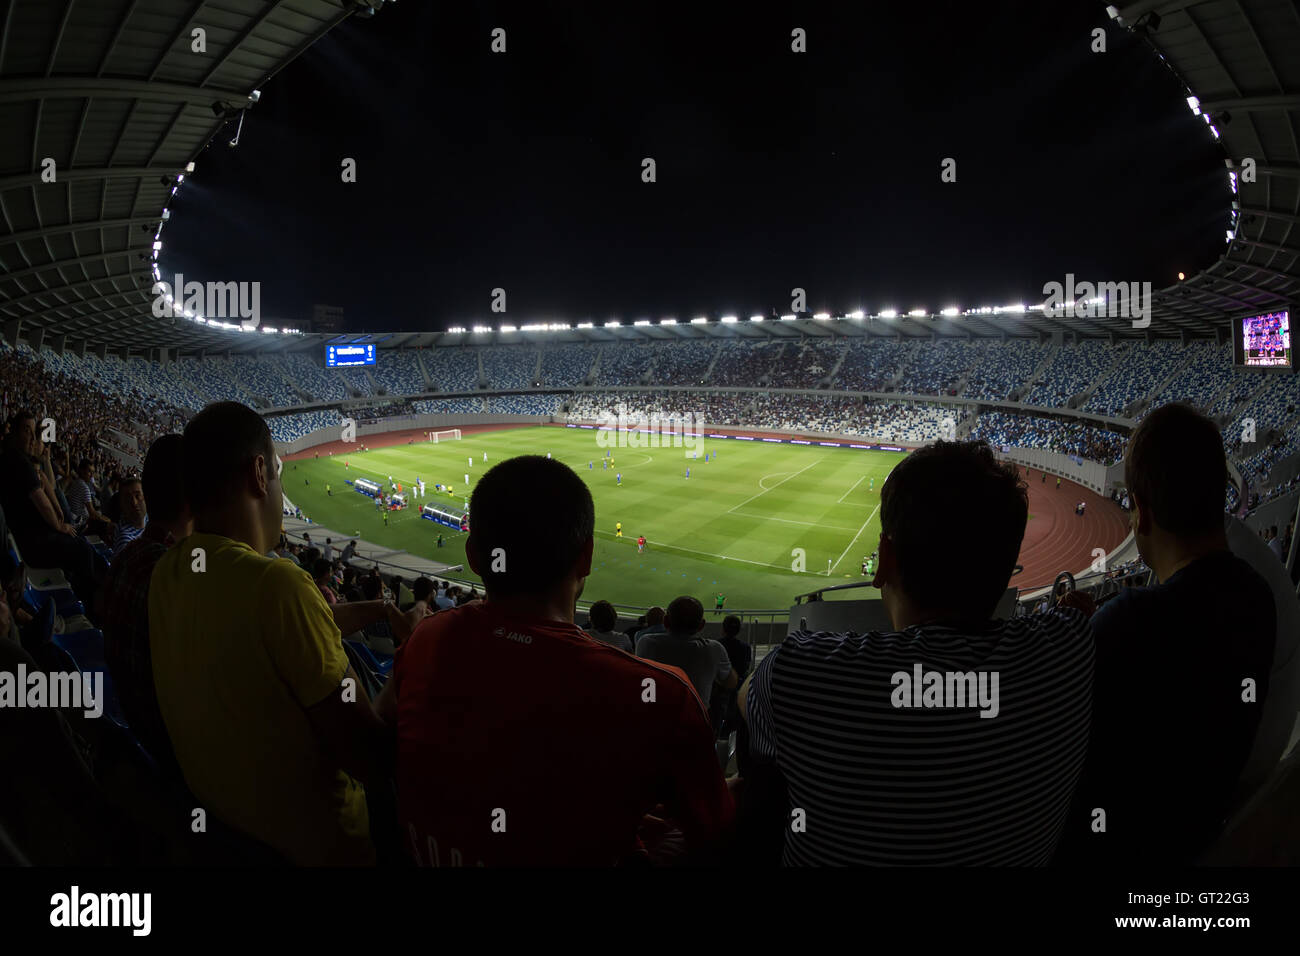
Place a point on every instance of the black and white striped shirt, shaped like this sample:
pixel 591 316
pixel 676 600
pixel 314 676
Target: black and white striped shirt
pixel 883 773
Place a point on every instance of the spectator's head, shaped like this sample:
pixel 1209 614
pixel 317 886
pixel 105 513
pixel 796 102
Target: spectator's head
pixel 730 625
pixel 1177 474
pixel 131 504
pixel 422 589
pixel 685 616
pixel 164 485
pixel 86 471
pixel 328 541
pixel 603 617
pixel 320 571
pixel 952 518
pixel 371 587
pixel 654 617
pixel 22 431
pixel 533 530
pixel 232 475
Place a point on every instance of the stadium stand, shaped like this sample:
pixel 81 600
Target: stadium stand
pixel 870 364
pixel 509 366
pixel 806 364
pixel 1003 368
pixel 1144 366
pixel 679 363
pixel 1074 366
pixel 628 363
pixel 400 373
pixel 564 366
pixel 452 369
pixel 938 366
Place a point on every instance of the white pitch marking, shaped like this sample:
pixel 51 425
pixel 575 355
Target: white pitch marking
pixel 850 491
pixel 855 538
pixel 774 487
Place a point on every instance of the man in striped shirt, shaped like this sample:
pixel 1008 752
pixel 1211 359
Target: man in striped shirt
pixel 954 740
pixel 132 515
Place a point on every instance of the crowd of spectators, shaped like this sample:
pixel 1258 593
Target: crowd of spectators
pixel 1022 430
pixel 400 710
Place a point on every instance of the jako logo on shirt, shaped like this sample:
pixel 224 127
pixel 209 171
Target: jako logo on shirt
pixel 514 636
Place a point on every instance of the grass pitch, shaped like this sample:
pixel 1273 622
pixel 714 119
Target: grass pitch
pixel 740 525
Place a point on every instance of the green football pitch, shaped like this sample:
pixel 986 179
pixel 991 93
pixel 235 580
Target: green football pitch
pixel 760 524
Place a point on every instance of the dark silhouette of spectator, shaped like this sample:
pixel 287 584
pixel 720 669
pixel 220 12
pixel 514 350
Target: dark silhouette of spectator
pixel 704 661
pixel 44 538
pixel 726 713
pixel 268 720
pixel 955 739
pixel 123 600
pixel 1173 662
pixel 603 620
pixel 523 741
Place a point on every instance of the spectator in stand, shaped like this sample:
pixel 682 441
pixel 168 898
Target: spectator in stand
pixel 329 550
pixel 133 514
pixel 422 605
pixel 564 708
pixel 349 550
pixel 654 624
pixel 249 663
pixel 882 738
pixel 726 715
pixel 80 493
pixel 123 600
pixel 1172 661
pixel 44 538
pixel 602 621
pixel 704 661
pixel 321 573
pixel 1275 543
pixel 443 600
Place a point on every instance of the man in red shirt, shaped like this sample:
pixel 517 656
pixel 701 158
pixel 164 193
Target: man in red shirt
pixel 522 741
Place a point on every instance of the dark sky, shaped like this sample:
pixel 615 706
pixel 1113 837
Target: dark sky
pixel 775 169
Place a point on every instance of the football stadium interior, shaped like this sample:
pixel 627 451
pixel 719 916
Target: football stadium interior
pixel 739 460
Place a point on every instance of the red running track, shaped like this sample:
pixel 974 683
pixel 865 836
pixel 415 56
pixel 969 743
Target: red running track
pixel 1056 539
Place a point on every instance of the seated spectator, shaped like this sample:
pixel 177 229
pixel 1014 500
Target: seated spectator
pixel 1173 662
pixel 249 664
pixel 955 739
pixel 654 624
pixel 421 607
pixel 322 573
pixel 497 696
pixel 133 514
pixel 443 600
pixel 704 661
pixel 44 538
pixel 603 620
pixel 726 715
pixel 123 601
pixel 80 494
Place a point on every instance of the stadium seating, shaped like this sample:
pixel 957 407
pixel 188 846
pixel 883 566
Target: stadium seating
pixel 1073 368
pixel 680 363
pixel 564 366
pixel 510 366
pixel 803 366
pixel 1144 366
pixel 1004 367
pixel 452 369
pixel 870 364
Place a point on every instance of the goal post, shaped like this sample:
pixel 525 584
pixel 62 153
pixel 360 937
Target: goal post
pixel 447 434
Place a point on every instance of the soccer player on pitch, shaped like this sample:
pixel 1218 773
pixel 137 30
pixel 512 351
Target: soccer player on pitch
pixel 618 529
pixel 640 544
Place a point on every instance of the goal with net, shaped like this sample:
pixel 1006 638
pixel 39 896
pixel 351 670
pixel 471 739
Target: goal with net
pixel 450 434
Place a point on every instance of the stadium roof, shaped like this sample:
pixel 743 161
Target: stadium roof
pixel 113 94
pixel 1240 59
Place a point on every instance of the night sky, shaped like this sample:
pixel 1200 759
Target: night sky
pixel 775 169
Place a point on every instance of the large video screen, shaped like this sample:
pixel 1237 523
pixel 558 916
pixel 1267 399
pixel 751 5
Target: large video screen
pixel 343 356
pixel 1263 341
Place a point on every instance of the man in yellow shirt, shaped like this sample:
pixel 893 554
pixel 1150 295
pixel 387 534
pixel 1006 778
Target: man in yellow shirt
pixel 270 725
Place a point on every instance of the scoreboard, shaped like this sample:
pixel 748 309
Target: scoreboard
pixel 346 356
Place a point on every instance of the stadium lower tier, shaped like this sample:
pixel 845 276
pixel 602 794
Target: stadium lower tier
pixel 755 522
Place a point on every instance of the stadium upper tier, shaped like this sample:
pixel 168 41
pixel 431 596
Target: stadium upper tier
pixel 1117 380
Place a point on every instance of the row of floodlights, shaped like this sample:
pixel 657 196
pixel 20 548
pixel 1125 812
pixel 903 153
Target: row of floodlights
pixel 949 313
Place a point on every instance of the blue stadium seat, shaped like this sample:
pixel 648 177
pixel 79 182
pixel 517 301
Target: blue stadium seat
pixel 85 651
pixel 381 664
